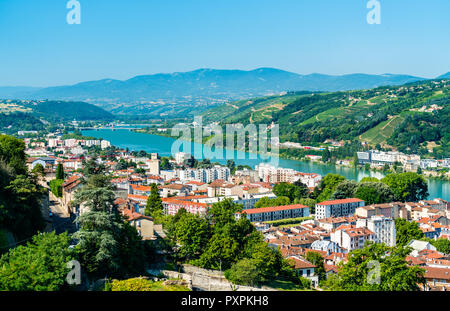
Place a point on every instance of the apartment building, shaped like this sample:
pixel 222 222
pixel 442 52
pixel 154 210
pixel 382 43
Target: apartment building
pixel 351 237
pixel 275 213
pixel 382 227
pixel 337 208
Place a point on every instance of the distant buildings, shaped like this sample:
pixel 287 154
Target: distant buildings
pixel 272 174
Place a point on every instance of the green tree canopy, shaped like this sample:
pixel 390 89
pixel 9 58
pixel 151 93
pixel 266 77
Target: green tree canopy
pixel 360 272
pixel 406 187
pixel 154 205
pixel 41 265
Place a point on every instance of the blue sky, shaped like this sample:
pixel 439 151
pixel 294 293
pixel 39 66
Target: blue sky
pixel 120 39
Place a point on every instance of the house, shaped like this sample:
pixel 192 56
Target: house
pixel 174 189
pixel 172 206
pixel 332 223
pixel 382 227
pixel 69 187
pixel 418 246
pixel 142 223
pixel 437 277
pixel 44 161
pixel 327 246
pixel 305 269
pixel 351 237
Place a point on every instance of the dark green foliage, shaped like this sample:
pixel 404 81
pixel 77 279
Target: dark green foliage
pixel 38 266
pixel 328 186
pixel 154 207
pixel 56 187
pixel 407 231
pixel 20 195
pixel 38 170
pixel 374 193
pixel 317 259
pixel 293 191
pixel 107 244
pixel 278 201
pixel 59 171
pixel 407 187
pixel 244 272
pixel 20 121
pixel 395 274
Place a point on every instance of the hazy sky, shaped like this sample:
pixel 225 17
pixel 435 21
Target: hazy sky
pixel 120 39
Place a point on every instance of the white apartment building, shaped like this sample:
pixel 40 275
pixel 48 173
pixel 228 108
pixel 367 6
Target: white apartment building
pixel 205 175
pixel 105 144
pixel 180 157
pixel 337 208
pixel 272 174
pixel 382 227
pixel 351 237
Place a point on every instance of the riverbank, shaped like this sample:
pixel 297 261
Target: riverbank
pixel 163 146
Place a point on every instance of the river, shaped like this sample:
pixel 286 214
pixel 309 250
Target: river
pixel 163 145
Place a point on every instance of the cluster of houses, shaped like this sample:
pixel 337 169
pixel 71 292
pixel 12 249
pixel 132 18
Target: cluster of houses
pixel 336 228
pixel 410 162
pixel 341 226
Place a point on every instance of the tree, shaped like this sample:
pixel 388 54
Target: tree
pixel 407 231
pixel 317 259
pixel 56 187
pixel 394 272
pixel 222 213
pixel 326 155
pixel 267 202
pixel 244 272
pixel 293 191
pixel 20 195
pixel 38 266
pixel 38 171
pixel 373 193
pixel 369 179
pixel 346 189
pixel 165 164
pixel 97 193
pixel 192 234
pixel 154 205
pixel 407 186
pixel 20 207
pixel 107 244
pixel 442 245
pixel 59 171
pixel 12 152
pixel 328 186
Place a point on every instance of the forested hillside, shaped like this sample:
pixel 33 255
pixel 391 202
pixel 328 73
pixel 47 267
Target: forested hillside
pixel 412 118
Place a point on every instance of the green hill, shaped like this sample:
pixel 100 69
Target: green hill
pixel 415 114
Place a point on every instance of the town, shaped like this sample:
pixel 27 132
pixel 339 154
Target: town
pixel 301 228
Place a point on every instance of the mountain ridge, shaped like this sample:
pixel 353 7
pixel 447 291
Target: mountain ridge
pixel 199 88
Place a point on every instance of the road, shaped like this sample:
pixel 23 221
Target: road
pixel 61 220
